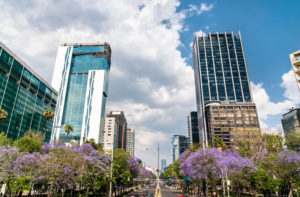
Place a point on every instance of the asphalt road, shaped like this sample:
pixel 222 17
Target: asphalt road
pixel 165 192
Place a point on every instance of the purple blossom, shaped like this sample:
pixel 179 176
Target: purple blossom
pixel 133 165
pixel 213 162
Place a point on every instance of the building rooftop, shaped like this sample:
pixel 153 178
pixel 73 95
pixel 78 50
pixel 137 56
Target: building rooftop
pixel 26 66
pixel 86 44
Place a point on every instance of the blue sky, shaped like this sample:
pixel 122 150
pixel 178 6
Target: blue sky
pixel 270 32
pixel 151 78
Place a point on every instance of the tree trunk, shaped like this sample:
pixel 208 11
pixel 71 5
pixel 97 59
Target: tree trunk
pixel 223 187
pixel 87 192
pixel 205 187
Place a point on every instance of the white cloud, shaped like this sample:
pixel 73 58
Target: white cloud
pixel 200 33
pixel 291 89
pixel 200 9
pixel 149 80
pixel 267 108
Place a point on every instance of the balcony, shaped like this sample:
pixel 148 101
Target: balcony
pixel 296 60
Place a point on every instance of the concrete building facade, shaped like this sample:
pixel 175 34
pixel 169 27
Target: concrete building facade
pixel 110 131
pixel 130 141
pixel 233 122
pixel 295 60
pixel 122 128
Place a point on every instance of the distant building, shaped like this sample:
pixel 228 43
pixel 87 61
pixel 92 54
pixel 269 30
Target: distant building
pixel 81 76
pixel 179 144
pixel 122 128
pixel 130 141
pixel 233 122
pixel 110 134
pixel 151 169
pixel 25 96
pixel 163 165
pixel 295 60
pixel 291 121
pixel 221 75
pixel 193 128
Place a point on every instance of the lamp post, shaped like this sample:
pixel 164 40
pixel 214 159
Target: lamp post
pixel 111 172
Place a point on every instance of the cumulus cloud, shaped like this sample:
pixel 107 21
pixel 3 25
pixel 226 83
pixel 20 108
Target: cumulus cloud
pixel 149 80
pixel 266 108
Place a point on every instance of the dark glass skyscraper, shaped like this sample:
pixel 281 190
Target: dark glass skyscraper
pixel 25 96
pixel 220 73
pixel 193 127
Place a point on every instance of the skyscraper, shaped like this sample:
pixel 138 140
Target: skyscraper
pixel 163 165
pixel 220 74
pixel 122 127
pixel 193 127
pixel 25 96
pixel 179 144
pixel 295 60
pixel 130 141
pixel 81 78
pixel 110 134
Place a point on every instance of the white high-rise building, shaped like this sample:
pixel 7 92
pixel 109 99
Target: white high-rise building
pixel 295 60
pixel 81 78
pixel 130 140
pixel 110 134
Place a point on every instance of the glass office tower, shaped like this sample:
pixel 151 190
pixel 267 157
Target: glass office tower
pixel 220 73
pixel 193 131
pixel 81 78
pixel 25 96
pixel 179 144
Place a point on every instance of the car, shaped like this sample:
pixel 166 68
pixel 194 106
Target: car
pixel 181 195
pixel 146 191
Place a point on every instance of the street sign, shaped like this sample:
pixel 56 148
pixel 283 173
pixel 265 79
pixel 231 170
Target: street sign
pixel 187 178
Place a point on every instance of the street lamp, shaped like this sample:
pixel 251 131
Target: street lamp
pixel 111 172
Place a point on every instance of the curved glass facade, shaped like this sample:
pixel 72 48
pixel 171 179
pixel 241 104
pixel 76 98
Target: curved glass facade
pixel 82 78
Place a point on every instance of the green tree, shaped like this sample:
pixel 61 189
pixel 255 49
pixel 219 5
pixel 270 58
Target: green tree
pixel 293 141
pixel 32 142
pixel 3 115
pixel 68 129
pixel 273 143
pixel 121 172
pixel 94 145
pixel 173 171
pixel 4 140
pixel 219 143
pixel 48 114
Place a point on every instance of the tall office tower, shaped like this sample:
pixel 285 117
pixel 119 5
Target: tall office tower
pixel 220 75
pixel 179 144
pixel 110 134
pixel 291 121
pixel 25 96
pixel 81 78
pixel 163 165
pixel 193 127
pixel 295 60
pixel 122 128
pixel 130 141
